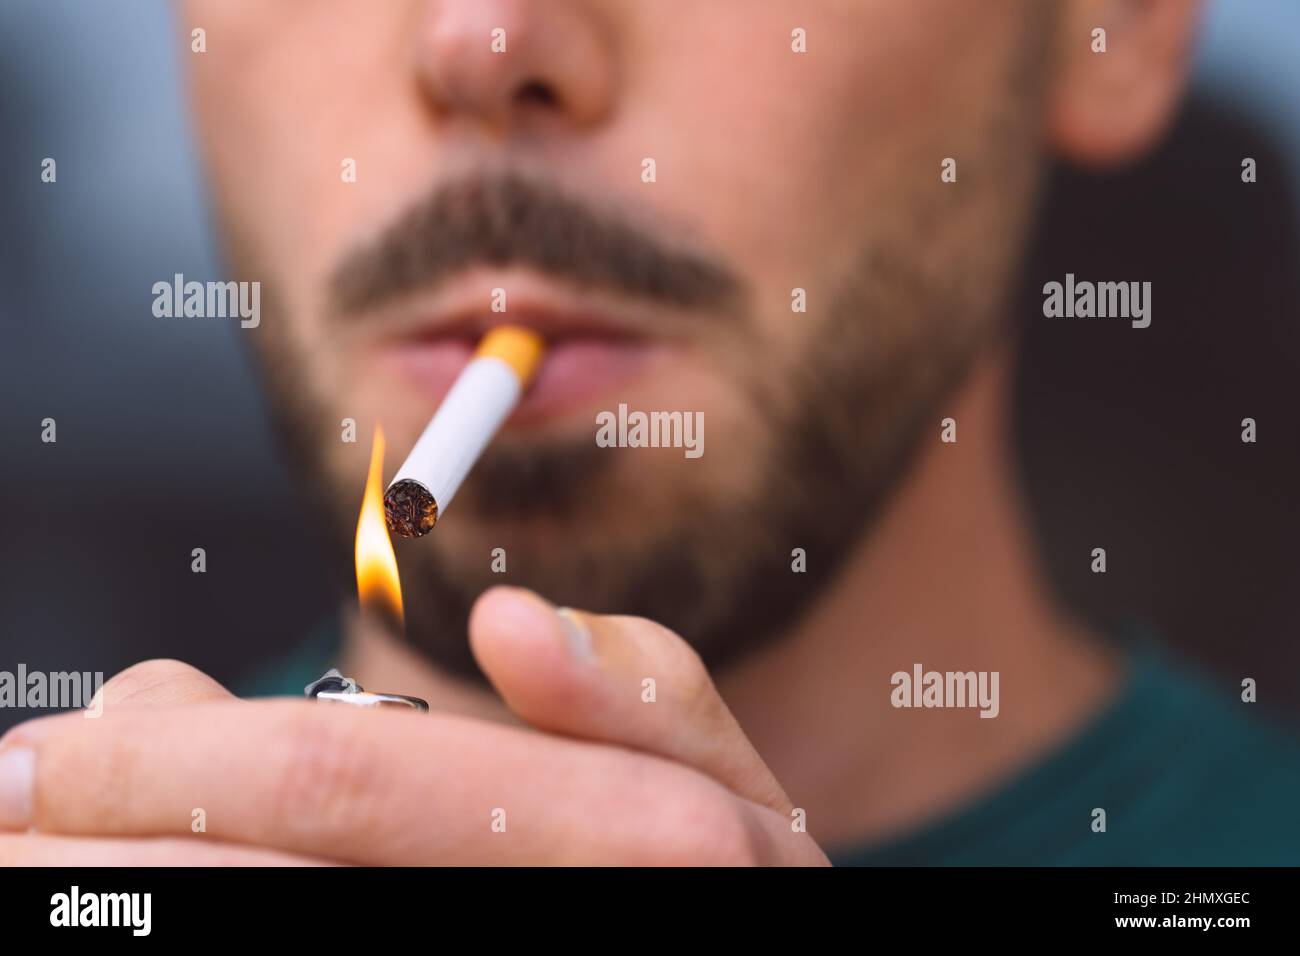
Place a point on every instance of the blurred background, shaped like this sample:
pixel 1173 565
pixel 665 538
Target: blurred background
pixel 1129 441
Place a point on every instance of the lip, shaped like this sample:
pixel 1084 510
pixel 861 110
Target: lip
pixel 556 326
pixel 589 355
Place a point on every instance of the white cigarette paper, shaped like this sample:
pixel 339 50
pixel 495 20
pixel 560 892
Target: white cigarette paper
pixel 480 400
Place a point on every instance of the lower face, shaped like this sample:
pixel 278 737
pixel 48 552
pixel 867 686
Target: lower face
pixel 816 171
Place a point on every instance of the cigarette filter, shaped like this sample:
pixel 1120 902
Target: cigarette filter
pixel 482 397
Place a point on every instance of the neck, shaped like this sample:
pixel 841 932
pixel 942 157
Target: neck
pixel 947 580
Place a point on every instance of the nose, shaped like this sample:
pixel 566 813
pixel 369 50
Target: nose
pixel 508 63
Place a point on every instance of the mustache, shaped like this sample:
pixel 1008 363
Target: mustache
pixel 507 219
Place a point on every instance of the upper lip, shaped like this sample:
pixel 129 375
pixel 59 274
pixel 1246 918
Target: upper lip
pixel 463 311
pixel 553 325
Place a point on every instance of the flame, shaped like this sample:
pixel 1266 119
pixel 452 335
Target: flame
pixel 378 585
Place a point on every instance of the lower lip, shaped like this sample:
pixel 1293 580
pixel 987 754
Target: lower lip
pixel 575 373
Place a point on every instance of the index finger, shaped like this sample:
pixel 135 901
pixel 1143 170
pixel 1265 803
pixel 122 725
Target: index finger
pixel 378 787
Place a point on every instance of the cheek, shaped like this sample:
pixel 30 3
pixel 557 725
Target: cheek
pixel 286 111
pixel 792 161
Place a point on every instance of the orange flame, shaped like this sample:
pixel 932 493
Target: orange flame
pixel 378 585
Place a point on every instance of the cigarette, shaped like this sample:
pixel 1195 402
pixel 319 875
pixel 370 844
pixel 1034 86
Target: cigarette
pixel 481 398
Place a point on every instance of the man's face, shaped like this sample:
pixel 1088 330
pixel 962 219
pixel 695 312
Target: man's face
pixel 526 170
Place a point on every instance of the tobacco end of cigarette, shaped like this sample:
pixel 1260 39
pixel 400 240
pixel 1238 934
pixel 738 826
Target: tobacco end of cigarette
pixel 409 509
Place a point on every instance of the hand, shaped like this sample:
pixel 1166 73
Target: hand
pixel 600 777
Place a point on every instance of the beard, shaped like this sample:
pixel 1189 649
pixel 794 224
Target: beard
pixel 827 438
pixel 827 445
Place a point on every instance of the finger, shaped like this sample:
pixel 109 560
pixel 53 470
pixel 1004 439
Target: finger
pixel 35 849
pixel 623 680
pixel 158 682
pixel 150 683
pixel 325 780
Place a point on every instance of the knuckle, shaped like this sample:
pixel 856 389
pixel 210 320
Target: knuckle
pixel 694 684
pixel 161 680
pixel 158 668
pixel 691 682
pixel 150 673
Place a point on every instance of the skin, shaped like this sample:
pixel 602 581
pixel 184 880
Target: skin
pixel 787 169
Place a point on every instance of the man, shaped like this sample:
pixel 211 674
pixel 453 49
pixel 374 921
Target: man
pixel 798 221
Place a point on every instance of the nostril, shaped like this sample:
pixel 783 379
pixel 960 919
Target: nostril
pixel 536 93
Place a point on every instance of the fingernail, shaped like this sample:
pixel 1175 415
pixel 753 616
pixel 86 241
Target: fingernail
pixel 17 775
pixel 576 633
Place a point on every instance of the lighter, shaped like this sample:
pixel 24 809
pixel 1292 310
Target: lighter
pixel 333 686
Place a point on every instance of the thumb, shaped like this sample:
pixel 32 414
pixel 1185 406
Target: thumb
pixel 624 680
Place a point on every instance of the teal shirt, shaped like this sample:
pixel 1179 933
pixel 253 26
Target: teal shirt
pixel 1185 775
